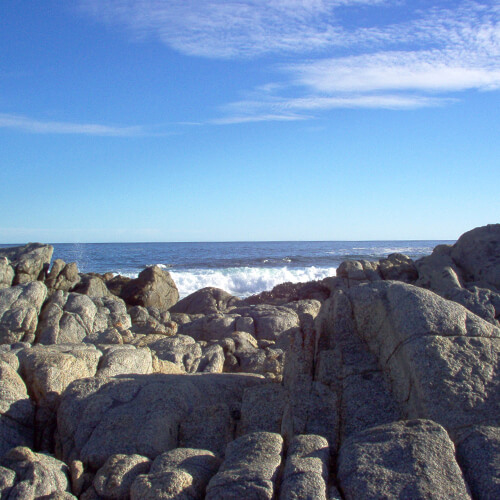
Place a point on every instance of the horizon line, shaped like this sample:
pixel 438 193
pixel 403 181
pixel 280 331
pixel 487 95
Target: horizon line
pixel 221 241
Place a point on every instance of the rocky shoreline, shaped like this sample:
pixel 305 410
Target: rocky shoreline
pixel 380 382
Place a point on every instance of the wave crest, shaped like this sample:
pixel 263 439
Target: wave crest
pixel 245 281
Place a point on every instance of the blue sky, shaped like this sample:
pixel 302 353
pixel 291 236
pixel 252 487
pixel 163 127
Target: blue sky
pixel 190 120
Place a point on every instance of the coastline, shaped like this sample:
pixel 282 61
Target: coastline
pixel 110 376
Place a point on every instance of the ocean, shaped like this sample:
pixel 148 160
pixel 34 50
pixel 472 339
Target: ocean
pixel 240 268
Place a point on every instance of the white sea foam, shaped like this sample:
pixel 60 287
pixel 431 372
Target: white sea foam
pixel 245 281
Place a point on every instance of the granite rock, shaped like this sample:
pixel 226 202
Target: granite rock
pixel 208 300
pixel 250 468
pixel 17 412
pixel 153 287
pixel 406 459
pixel 30 262
pixel 179 474
pixel 19 309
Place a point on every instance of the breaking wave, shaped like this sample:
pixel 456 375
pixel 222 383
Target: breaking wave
pixel 245 281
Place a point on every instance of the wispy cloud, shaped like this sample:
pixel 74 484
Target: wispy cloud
pixel 412 56
pixel 225 29
pixel 28 124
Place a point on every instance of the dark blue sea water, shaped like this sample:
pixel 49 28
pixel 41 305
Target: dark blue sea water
pixel 241 268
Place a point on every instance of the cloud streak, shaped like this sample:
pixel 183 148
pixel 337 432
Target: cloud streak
pixel 416 57
pixel 26 124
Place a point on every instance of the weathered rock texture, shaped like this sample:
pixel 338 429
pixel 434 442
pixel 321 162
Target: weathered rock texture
pixel 17 415
pixel 411 459
pixel 70 317
pixel 19 309
pixel 382 382
pixel 35 475
pixel 147 415
pixel 30 262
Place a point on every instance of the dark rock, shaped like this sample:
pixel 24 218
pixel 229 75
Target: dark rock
pixel 206 301
pixel 398 267
pixel 117 283
pixel 477 253
pixel 153 287
pixel 478 451
pixel 115 477
pixel 288 292
pixel 182 473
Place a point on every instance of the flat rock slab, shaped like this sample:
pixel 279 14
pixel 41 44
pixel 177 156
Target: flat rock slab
pixel 406 459
pixel 143 414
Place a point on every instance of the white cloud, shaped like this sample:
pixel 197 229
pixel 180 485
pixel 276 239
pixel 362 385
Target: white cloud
pixel 230 28
pixel 424 70
pixel 51 127
pixel 422 56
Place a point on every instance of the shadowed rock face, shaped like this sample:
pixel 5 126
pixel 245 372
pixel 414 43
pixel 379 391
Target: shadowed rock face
pixel 477 254
pixel 146 415
pixel 17 412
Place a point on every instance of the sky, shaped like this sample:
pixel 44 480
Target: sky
pixel 241 120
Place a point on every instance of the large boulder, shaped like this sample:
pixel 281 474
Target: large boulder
pixel 19 309
pixel 16 411
pixel 477 253
pixel 47 371
pixel 407 459
pixel 114 479
pixel 70 317
pixel 208 300
pixel 153 287
pixel 147 415
pixel 125 360
pixel 441 360
pixel 31 262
